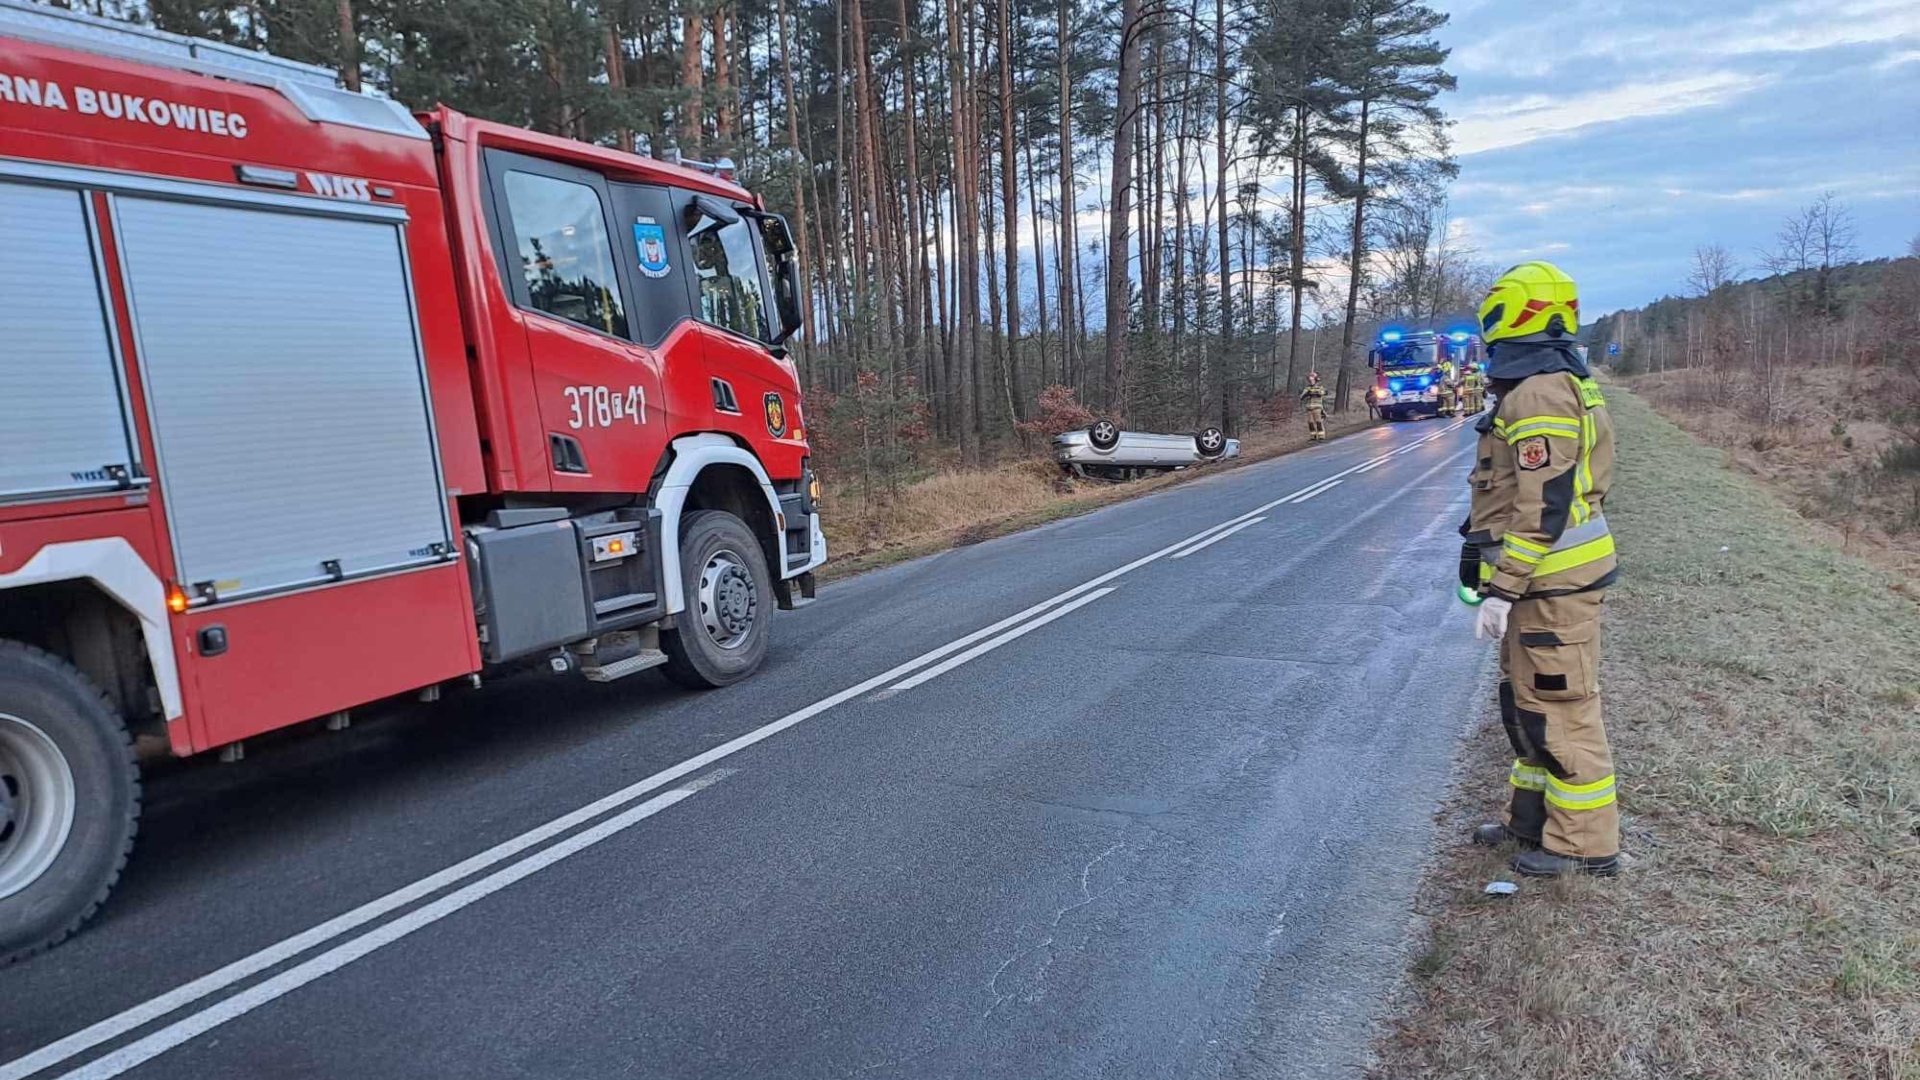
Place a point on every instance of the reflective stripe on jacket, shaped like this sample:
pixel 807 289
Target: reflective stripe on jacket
pixel 1542 473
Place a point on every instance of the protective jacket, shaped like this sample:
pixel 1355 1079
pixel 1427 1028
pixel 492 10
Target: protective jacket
pixel 1540 482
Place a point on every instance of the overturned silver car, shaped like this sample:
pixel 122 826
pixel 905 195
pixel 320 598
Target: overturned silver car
pixel 1103 452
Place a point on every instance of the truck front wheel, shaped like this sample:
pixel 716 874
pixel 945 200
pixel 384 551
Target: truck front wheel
pixel 69 799
pixel 721 636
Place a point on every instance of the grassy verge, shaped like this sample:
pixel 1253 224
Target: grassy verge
pixel 1833 452
pixel 1763 698
pixel 967 506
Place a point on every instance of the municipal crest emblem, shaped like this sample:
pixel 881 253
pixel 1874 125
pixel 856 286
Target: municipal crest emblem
pixel 650 242
pixel 1533 452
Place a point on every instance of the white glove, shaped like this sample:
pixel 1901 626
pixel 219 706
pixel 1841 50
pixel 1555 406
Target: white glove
pixel 1493 619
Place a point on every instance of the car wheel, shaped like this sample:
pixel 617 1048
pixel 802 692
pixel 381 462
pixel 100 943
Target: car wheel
pixel 1104 435
pixel 1211 442
pixel 69 799
pixel 721 636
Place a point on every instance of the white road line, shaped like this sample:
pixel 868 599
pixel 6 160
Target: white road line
pixel 286 949
pixel 1307 493
pixel 197 1024
pixel 1323 488
pixel 985 647
pixel 1217 537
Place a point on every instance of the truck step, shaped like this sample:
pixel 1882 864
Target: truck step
pixel 619 669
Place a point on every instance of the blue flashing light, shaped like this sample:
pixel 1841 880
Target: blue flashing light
pixel 1393 385
pixel 1390 335
pixel 1425 380
pixel 1460 336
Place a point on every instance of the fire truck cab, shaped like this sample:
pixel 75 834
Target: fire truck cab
pixel 307 401
pixel 1410 366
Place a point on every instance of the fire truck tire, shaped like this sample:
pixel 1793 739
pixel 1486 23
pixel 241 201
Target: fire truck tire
pixel 71 802
pixel 721 636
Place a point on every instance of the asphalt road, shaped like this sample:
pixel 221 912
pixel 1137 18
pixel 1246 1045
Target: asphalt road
pixel 1140 794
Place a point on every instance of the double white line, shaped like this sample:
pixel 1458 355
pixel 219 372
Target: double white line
pixel 519 865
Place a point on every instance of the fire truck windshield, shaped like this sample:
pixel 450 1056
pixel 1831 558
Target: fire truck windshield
pixel 1409 354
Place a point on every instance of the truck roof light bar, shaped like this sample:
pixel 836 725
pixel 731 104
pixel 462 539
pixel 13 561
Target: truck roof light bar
pixel 721 167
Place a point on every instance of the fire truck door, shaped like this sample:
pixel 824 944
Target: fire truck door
pixel 599 392
pixel 732 308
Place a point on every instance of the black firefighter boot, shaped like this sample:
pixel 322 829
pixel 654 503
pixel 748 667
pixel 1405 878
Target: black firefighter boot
pixel 1496 833
pixel 1528 810
pixel 1542 863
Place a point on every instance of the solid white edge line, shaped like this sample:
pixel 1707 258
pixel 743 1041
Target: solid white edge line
pixel 145 1049
pixel 286 949
pixel 1323 488
pixel 1019 631
pixel 1217 537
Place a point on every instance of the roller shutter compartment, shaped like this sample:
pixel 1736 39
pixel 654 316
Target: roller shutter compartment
pixel 288 397
pixel 62 425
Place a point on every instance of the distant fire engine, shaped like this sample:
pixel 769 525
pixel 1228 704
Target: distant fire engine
pixel 1410 366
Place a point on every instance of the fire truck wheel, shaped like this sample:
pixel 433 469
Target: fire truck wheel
pixel 721 636
pixel 69 799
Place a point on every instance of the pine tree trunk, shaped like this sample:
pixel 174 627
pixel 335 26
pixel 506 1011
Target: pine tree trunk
pixel 723 78
pixel 693 73
pixel 966 261
pixel 1356 263
pixel 1070 349
pixel 1119 284
pixel 349 45
pixel 616 80
pixel 916 225
pixel 1039 258
pixel 1227 342
pixel 1299 237
pixel 801 168
pixel 1010 207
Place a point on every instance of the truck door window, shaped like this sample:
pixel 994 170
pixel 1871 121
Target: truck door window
pixel 727 268
pixel 564 252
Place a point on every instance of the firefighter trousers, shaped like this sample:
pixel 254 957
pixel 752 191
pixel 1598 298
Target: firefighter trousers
pixel 1562 777
pixel 1316 422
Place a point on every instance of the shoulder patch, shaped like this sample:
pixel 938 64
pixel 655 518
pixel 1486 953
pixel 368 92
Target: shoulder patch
pixel 1532 452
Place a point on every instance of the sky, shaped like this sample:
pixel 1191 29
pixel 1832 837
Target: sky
pixel 1612 137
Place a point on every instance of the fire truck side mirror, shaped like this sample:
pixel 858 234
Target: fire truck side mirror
pixel 788 289
pixel 707 207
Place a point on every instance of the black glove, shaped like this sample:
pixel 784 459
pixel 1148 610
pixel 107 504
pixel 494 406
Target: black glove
pixel 1470 566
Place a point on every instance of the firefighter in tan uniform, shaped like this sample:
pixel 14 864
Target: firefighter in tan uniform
pixel 1472 386
pixel 1544 559
pixel 1315 397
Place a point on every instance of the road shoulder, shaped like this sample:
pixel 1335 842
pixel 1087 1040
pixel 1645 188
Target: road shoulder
pixel 1761 699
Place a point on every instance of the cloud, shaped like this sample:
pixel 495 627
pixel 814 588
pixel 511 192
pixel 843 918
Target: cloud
pixel 1494 123
pixel 1617 136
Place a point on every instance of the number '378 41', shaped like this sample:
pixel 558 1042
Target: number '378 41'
pixel 605 406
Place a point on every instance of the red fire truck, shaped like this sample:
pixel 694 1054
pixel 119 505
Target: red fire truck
pixel 308 402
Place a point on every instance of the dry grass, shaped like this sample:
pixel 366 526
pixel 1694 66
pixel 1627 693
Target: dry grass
pixel 1821 453
pixel 1763 697
pixel 955 507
